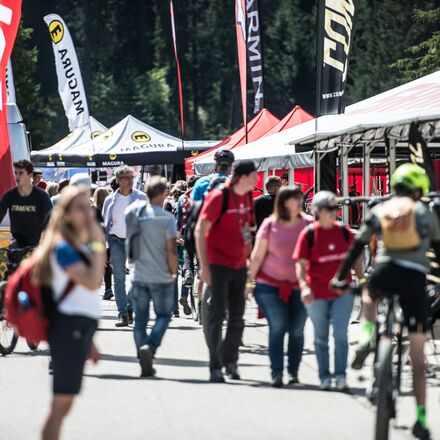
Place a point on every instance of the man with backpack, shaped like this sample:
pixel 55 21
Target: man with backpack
pixel 151 247
pixel 223 238
pixel 406 229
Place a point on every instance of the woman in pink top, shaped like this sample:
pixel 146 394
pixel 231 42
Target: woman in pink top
pixel 277 290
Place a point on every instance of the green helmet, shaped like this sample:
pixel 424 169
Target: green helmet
pixel 412 177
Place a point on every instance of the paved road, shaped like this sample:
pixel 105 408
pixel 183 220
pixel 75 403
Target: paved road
pixel 180 404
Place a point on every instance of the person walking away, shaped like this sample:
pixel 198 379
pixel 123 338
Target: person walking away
pixel 37 177
pixel 63 184
pixel 187 256
pixel 28 207
pixel 52 189
pixel 114 222
pixel 151 245
pixel 223 165
pixel 406 228
pixel 70 263
pixel 319 250
pixel 223 239
pixel 99 197
pixel 264 204
pixel 277 290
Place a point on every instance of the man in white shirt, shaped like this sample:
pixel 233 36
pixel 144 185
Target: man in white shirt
pixel 114 222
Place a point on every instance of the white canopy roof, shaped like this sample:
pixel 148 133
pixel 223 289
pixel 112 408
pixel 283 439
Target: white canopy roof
pixel 417 101
pixel 130 142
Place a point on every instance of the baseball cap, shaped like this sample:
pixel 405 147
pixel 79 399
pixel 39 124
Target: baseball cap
pixel 81 179
pixel 244 168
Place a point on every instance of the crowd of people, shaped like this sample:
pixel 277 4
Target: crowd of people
pixel 230 247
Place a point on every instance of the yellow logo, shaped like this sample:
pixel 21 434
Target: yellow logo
pixel 50 158
pixel 56 30
pixel 96 134
pixel 60 157
pixel 102 137
pixel 140 136
pixel 112 156
pixel 194 153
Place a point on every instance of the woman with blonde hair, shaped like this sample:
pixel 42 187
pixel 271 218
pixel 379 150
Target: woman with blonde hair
pixel 70 262
pixel 52 188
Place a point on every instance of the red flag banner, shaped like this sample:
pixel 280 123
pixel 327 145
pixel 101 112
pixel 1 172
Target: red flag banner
pixel 240 25
pixel 10 13
pixel 179 77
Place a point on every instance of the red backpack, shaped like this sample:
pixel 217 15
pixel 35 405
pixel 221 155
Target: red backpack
pixel 27 303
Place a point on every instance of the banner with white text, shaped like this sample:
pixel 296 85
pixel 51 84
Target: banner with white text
pixel 336 19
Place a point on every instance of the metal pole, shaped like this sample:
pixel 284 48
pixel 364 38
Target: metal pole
pixel 343 170
pixel 391 160
pixel 366 174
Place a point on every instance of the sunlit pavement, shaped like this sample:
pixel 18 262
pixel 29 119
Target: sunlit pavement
pixel 179 403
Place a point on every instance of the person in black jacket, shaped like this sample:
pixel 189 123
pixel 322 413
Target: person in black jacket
pixel 264 203
pixel 28 207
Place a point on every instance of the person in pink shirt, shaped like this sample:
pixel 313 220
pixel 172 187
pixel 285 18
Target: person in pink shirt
pixel 277 289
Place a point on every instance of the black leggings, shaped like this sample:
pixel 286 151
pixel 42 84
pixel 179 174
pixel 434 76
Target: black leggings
pixel 108 272
pixel 70 339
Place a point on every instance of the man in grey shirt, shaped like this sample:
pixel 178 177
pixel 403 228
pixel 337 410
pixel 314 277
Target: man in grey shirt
pixel 151 247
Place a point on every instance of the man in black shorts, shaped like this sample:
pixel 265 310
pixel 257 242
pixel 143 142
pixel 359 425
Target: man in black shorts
pixel 28 207
pixel 406 228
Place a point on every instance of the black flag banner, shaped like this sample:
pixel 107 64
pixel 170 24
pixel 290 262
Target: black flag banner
pixel 255 53
pixel 336 19
pixel 419 154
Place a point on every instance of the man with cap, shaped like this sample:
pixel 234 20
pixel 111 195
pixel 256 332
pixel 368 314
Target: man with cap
pixel 223 164
pixel 223 239
pixel 38 179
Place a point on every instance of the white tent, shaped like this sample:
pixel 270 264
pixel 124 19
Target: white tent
pixel 417 101
pixel 73 139
pixel 130 142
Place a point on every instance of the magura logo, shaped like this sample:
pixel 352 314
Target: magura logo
pixel 112 157
pixel 140 136
pixel 56 30
pixel 103 137
pixel 60 156
pixel 96 134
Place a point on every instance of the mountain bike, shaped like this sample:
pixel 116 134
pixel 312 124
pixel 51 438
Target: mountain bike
pixel 8 335
pixel 388 363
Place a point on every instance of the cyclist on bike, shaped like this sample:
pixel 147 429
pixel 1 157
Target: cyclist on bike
pixel 28 207
pixel 406 228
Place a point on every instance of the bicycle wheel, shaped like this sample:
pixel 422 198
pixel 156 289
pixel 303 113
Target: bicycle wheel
pixel 8 336
pixel 384 388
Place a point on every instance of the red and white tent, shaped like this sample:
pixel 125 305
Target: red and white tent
pixel 257 127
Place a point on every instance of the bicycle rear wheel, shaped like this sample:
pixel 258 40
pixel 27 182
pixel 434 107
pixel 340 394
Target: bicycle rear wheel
pixel 8 335
pixel 384 382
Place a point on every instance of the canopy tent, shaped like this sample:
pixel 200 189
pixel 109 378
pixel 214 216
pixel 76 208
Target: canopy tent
pixel 388 113
pixel 130 142
pixel 264 154
pixel 257 127
pixel 73 139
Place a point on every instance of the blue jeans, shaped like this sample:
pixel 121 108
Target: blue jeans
pixel 162 296
pixel 118 256
pixel 337 311
pixel 283 318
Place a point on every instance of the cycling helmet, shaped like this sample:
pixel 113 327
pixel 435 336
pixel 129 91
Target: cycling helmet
pixel 411 177
pixel 224 157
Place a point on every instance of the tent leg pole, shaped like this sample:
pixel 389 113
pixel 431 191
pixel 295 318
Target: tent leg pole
pixel 318 158
pixel 391 160
pixel 366 171
pixel 291 176
pixel 343 170
pixel 265 176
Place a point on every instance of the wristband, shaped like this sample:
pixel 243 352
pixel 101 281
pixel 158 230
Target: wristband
pixel 249 285
pixel 362 280
pixel 97 246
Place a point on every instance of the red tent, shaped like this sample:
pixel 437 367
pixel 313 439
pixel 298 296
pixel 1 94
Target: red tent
pixel 295 117
pixel 257 127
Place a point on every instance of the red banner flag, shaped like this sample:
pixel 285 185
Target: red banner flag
pixel 179 77
pixel 240 25
pixel 10 12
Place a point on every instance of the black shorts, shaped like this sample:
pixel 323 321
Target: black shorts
pixel 410 285
pixel 70 339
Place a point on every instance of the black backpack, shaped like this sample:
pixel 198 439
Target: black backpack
pixel 193 214
pixel 311 234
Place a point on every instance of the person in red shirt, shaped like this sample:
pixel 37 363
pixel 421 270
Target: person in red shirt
pixel 38 180
pixel 223 240
pixel 318 253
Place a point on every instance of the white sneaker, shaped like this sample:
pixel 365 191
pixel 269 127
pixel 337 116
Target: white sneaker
pixel 325 384
pixel 341 384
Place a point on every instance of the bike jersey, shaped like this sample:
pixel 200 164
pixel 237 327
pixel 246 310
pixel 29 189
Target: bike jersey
pixel 426 226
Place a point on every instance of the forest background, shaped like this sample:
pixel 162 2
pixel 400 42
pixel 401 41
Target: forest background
pixel 126 56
